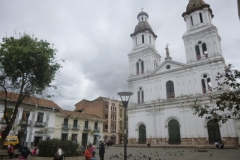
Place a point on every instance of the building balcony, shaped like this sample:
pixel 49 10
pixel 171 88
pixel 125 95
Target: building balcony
pixel 2 121
pixel 40 124
pixel 75 127
pixel 96 129
pixel 86 128
pixel 204 90
pixel 65 126
pixel 23 122
pixel 113 131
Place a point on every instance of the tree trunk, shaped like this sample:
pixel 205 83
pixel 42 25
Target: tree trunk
pixel 5 134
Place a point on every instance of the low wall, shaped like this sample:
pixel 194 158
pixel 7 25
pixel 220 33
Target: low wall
pixel 51 158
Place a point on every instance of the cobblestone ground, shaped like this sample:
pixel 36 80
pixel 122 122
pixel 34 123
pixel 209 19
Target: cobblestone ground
pixel 171 154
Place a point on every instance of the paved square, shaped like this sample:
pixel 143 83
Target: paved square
pixel 171 154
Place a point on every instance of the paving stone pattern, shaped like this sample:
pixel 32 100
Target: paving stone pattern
pixel 116 153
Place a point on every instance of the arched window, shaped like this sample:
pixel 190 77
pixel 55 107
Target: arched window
pixel 200 16
pixel 197 52
pixel 142 18
pixel 191 20
pixel 170 89
pixel 142 66
pixel 206 83
pixel 137 68
pixel 140 95
pixel 150 39
pixel 142 38
pixel 204 48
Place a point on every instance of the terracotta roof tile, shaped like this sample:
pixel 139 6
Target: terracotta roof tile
pixel 30 100
pixel 80 115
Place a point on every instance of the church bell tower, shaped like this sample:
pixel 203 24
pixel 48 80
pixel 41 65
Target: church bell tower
pixel 143 58
pixel 201 39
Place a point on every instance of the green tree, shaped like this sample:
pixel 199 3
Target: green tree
pixel 224 101
pixel 27 67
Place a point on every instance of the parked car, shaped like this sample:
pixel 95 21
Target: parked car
pixel 109 142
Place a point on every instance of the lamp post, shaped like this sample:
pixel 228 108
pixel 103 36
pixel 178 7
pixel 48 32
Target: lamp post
pixel 125 96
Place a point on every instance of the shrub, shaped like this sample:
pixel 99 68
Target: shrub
pixel 48 148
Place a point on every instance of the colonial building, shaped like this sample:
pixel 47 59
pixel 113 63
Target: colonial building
pixel 121 122
pixel 159 110
pixel 81 128
pixel 34 121
pixel 105 108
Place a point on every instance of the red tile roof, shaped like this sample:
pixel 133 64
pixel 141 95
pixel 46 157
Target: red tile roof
pixel 80 115
pixel 30 100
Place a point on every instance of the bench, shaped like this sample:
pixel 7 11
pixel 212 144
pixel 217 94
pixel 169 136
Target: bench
pixel 4 154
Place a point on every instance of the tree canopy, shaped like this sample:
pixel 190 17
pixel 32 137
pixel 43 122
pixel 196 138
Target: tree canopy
pixel 224 101
pixel 27 67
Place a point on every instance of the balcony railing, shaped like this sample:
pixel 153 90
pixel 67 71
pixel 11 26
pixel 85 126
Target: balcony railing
pixel 170 95
pixel 198 57
pixel 2 121
pixel 86 128
pixel 23 122
pixel 96 129
pixel 75 127
pixel 65 126
pixel 204 90
pixel 40 124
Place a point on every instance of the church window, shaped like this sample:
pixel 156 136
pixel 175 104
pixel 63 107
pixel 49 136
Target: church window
pixel 191 20
pixel 136 41
pixel 142 38
pixel 142 18
pixel 206 83
pixel 155 64
pixel 199 42
pixel 200 15
pixel 197 52
pixel 150 39
pixel 142 67
pixel 140 95
pixel 168 66
pixel 137 68
pixel 204 48
pixel 170 89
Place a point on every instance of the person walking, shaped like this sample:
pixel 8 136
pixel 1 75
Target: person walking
pixel 93 150
pixel 101 150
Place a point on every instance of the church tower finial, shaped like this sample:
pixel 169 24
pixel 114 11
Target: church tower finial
pixel 167 53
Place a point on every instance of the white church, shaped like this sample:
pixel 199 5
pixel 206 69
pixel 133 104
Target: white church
pixel 159 111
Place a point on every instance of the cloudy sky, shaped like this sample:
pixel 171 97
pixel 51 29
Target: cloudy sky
pixel 93 36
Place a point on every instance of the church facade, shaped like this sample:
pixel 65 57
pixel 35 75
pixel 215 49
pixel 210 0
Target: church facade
pixel 163 89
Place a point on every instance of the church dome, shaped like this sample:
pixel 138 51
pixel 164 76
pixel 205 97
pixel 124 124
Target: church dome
pixel 195 5
pixel 142 13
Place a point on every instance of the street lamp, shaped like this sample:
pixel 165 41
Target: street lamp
pixel 125 96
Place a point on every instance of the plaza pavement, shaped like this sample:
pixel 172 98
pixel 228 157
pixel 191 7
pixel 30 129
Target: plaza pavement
pixel 171 153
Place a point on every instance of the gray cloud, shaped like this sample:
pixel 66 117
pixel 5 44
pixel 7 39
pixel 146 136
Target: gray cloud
pixel 94 38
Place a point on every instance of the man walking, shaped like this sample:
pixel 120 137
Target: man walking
pixel 101 150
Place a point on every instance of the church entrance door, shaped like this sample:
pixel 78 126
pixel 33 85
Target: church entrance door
pixel 142 134
pixel 213 132
pixel 174 132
